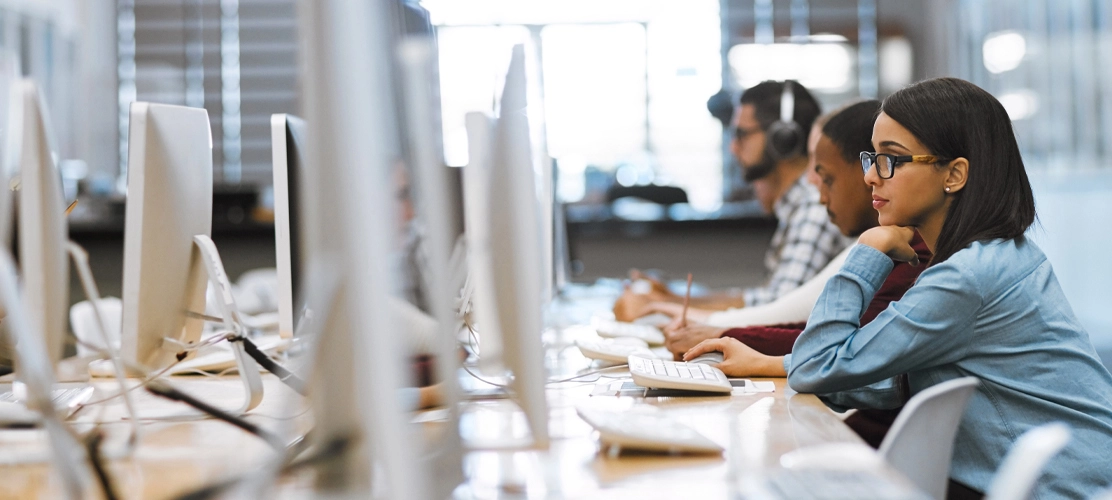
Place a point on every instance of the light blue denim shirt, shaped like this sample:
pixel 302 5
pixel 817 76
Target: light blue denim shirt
pixel 994 311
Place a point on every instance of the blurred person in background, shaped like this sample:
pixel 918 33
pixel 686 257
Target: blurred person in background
pixel 773 155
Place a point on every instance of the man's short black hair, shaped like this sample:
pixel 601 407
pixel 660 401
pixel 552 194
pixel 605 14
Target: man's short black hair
pixel 765 98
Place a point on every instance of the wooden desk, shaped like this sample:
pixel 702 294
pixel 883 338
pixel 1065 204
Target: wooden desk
pixel 755 429
pixel 177 457
pixel 172 457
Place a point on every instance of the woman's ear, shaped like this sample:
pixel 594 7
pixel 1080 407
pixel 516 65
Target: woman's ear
pixel 957 174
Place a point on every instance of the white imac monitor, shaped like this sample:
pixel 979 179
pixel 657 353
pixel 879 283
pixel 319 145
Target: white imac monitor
pixel 169 200
pixel 287 135
pixel 348 222
pixel 507 248
pixel 43 233
pixel 11 114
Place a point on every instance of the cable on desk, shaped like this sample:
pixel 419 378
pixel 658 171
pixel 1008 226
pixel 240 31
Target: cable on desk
pixel 593 372
pixel 144 371
pixel 483 380
pixel 206 317
pixel 93 440
pixel 276 417
pixel 287 377
pixel 472 338
pixel 141 384
pixel 198 371
pixel 334 448
pixel 164 389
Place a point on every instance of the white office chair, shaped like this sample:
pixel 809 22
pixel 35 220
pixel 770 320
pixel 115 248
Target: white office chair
pixel 921 442
pixel 1024 463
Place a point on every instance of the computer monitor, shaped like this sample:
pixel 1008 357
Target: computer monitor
pixel 438 199
pixel 169 200
pixel 505 240
pixel 43 232
pixel 349 226
pixel 287 136
pixel 10 114
pixel 28 311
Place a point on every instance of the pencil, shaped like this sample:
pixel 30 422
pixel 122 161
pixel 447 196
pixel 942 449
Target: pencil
pixel 686 300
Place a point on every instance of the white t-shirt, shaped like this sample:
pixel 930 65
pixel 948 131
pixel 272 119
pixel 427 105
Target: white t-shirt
pixel 792 307
pixel 420 328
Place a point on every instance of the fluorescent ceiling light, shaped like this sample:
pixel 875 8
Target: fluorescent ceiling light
pixel 1003 51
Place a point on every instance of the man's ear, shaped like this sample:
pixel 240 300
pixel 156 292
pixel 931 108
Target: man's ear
pixel 958 174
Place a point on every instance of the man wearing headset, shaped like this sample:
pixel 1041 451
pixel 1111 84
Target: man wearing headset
pixel 770 142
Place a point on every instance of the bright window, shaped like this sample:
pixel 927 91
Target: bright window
pixel 594 86
pixel 824 67
pixel 473 63
pixel 625 84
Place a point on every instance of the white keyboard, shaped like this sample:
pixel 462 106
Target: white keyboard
pixel 648 432
pixel 66 400
pixel 661 374
pixel 818 484
pixel 615 329
pixel 613 350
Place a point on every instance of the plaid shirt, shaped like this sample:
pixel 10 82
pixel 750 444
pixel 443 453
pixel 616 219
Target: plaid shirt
pixel 804 242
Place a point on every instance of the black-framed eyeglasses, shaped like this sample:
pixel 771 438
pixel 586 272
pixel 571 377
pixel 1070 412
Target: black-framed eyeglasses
pixel 886 163
pixel 740 133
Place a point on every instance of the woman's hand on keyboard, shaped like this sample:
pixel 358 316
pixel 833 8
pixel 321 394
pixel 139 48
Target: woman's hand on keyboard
pixel 739 360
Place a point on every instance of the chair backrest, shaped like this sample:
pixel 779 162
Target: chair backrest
pixel 920 443
pixel 1024 463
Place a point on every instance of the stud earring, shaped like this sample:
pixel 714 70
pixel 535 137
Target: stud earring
pixel 947 189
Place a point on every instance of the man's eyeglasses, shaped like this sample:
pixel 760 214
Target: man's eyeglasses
pixel 886 164
pixel 740 133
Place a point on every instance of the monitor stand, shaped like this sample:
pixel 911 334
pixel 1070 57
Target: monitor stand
pixel 248 369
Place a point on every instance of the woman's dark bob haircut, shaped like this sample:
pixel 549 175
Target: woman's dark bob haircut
pixel 956 119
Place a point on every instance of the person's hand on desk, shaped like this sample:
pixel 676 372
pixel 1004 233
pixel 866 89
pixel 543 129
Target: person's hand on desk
pixel 739 360
pixel 430 396
pixel 694 314
pixel 635 303
pixel 680 339
pixel 631 306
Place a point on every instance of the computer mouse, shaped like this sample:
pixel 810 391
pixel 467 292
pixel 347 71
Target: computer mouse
pixel 17 415
pixel 630 341
pixel 711 358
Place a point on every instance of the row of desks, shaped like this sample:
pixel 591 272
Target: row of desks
pixel 175 457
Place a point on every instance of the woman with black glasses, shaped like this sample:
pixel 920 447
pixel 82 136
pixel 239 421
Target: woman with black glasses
pixel 989 305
